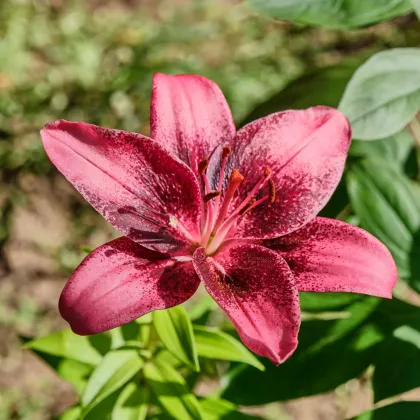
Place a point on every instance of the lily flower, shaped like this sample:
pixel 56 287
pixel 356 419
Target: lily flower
pixel 202 202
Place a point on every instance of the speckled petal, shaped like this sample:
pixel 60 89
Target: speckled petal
pixel 255 287
pixel 190 116
pixel 332 256
pixel 142 190
pixel 306 152
pixel 121 281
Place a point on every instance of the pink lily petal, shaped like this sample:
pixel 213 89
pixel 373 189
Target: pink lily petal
pixel 142 190
pixel 121 281
pixel 332 256
pixel 255 287
pixel 190 116
pixel 305 151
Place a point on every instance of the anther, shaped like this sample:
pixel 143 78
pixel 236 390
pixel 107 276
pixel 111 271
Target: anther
pixel 212 194
pixel 202 166
pixel 227 151
pixel 236 178
pixel 271 191
pixel 246 209
pixel 266 172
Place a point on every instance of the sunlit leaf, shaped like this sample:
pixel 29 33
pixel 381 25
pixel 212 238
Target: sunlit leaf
pixel 175 331
pixel 116 369
pixel 383 95
pixel 171 391
pixel 132 403
pixel 215 344
pixel 69 345
pixel 217 409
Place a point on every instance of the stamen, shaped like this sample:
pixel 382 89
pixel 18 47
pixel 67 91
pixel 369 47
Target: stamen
pixel 271 191
pixel 210 195
pixel 257 186
pixel 247 208
pixel 202 166
pixel 235 180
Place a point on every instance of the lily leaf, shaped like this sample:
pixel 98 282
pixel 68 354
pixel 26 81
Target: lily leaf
pixel 174 328
pixel 388 206
pixel 383 95
pixel 171 391
pixel 333 14
pixel 215 344
pixel 132 403
pixel 69 345
pixel 116 369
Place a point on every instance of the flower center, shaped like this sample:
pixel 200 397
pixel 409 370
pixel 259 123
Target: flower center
pixel 216 224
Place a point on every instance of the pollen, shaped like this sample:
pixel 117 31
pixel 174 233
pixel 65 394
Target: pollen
pixel 202 166
pixel 227 151
pixel 212 194
pixel 247 208
pixel 271 191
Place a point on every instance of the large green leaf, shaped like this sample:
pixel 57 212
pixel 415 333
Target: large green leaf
pixel 215 344
pixel 333 13
pixel 176 333
pixel 131 403
pixel 383 96
pixel 115 370
pixel 320 87
pixel 171 391
pixel 404 410
pixel 388 206
pixel 68 345
pixel 217 409
pixel 317 365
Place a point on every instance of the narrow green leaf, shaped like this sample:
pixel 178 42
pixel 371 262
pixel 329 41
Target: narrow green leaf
pixel 215 344
pixel 388 206
pixel 73 413
pixel 116 369
pixel 358 311
pixel 132 403
pixel 174 328
pixel 321 302
pixel 333 14
pixel 71 346
pixel 404 410
pixel 217 409
pixel 171 391
pixel 383 96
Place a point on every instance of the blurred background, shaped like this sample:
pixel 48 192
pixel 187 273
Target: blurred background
pixel 93 61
